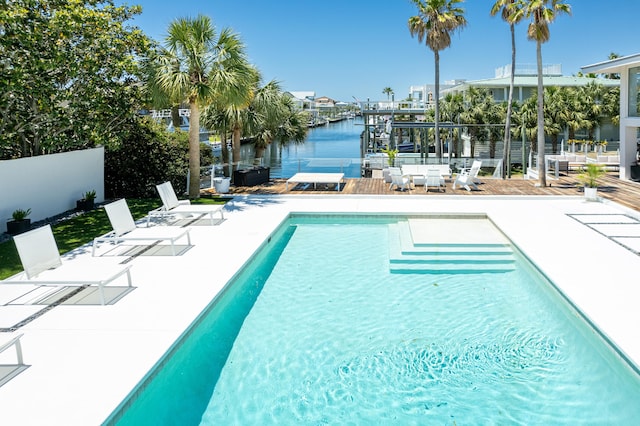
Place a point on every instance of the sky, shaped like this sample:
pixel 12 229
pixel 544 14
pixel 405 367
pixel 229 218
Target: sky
pixel 353 49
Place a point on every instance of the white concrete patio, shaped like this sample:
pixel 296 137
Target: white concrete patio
pixel 84 360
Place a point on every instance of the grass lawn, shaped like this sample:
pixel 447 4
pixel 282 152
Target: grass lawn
pixel 75 232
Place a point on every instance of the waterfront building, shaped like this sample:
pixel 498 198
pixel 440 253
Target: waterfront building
pixel 628 67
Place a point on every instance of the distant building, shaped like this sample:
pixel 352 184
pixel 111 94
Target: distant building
pixel 525 82
pixel 526 85
pixel 628 67
pixel 324 102
pixel 424 94
pixel 303 99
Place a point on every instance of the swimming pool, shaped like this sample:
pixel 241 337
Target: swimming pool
pixel 370 319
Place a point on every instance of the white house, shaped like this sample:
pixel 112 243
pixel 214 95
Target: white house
pixel 629 69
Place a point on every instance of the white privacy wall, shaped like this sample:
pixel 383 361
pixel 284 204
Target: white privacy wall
pixel 49 184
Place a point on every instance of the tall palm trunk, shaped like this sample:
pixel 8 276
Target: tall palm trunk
pixel 235 145
pixel 436 124
pixel 175 116
pixel 542 176
pixel 506 157
pixel 194 149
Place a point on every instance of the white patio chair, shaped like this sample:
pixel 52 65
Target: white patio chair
pixel 434 180
pixel 125 229
pixel 172 206
pixel 43 266
pixel 466 178
pixel 401 182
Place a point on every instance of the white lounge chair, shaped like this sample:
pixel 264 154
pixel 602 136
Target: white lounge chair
pixel 399 180
pixel 43 266
pixel 125 229
pixel 434 179
pixel 171 206
pixel 468 178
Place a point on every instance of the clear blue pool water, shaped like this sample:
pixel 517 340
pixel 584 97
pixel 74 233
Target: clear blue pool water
pixel 342 321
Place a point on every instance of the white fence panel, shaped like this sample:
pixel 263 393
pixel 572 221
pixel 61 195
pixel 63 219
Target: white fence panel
pixel 49 184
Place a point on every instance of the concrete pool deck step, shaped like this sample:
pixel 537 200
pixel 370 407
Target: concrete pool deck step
pixel 443 258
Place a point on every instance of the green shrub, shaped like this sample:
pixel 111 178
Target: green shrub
pixel 148 155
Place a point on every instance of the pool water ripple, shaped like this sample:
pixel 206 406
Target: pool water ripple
pixel 357 344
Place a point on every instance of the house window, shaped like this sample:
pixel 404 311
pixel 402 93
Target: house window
pixel 634 92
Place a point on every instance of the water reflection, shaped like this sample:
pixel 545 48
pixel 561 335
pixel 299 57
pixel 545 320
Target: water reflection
pixel 333 148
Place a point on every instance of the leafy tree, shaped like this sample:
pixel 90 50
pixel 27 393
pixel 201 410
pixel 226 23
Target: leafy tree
pixel 512 13
pixel 67 79
pixel 149 156
pixel 388 91
pixel 542 13
pixel 435 22
pixel 201 66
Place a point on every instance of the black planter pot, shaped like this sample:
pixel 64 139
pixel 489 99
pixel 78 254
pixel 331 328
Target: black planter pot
pixel 85 205
pixel 15 227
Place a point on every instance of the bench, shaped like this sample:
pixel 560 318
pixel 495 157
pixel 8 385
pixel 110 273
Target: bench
pixel 609 162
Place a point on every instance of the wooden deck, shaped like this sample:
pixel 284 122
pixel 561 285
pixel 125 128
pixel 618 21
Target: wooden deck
pixel 611 187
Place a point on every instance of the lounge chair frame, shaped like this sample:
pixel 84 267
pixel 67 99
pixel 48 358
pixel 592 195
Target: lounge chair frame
pixel 20 366
pixel 172 206
pixel 125 229
pixel 43 266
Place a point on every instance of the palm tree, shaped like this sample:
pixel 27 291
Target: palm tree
pixel 554 105
pixel 613 76
pixel 512 13
pixel 200 66
pixel 451 108
pixel 571 115
pixel 388 91
pixel 542 13
pixel 277 119
pixel 591 97
pixel 435 22
pixel 478 103
pixel 526 125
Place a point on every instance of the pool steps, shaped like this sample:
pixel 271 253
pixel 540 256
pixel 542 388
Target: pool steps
pixel 405 257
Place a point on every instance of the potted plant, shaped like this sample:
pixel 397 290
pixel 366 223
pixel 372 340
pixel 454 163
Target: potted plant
pixel 87 202
pixel 589 177
pixel 19 222
pixel 391 161
pixel 391 156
